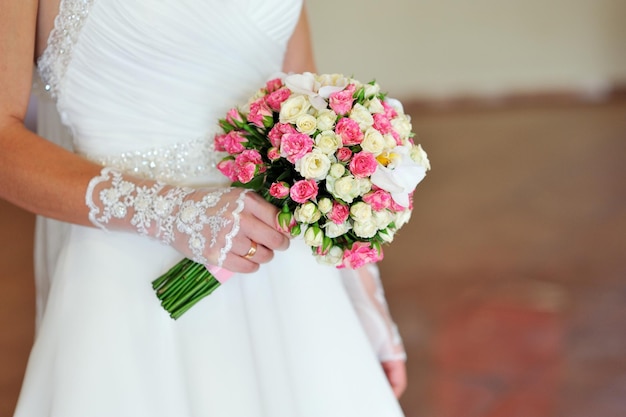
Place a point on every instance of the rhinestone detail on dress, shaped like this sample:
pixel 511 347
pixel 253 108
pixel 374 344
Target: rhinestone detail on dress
pixel 56 57
pixel 172 164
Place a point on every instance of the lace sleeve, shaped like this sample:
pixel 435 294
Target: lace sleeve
pixel 366 292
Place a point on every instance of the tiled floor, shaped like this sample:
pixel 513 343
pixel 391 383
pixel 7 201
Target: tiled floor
pixel 508 284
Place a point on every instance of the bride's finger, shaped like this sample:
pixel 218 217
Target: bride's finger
pixel 264 211
pixel 236 263
pixel 255 229
pixel 252 251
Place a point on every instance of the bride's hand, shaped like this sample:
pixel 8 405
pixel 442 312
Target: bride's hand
pixel 231 228
pixel 396 375
pixel 258 236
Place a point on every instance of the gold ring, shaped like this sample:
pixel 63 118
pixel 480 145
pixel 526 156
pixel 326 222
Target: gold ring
pixel 252 250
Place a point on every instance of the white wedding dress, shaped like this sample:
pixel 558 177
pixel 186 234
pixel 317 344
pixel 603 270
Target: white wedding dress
pixel 141 84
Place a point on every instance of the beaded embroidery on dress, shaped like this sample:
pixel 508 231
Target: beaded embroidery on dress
pixel 140 83
pixel 67 25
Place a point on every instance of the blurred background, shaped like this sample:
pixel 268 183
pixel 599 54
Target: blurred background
pixel 509 283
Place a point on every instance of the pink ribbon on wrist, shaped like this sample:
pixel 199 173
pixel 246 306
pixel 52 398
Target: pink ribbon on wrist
pixel 221 275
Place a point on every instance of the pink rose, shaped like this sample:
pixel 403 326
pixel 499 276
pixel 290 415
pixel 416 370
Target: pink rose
pixel 218 142
pixel 396 207
pixel 294 146
pixel 279 190
pixel 397 137
pixel 231 142
pixel 344 154
pixel 382 123
pixel 339 213
pixel 259 112
pixel 275 99
pixel 363 164
pixel 249 156
pixel 227 167
pixel 390 112
pixel 341 101
pixel 378 199
pixel 273 153
pixel 273 85
pixel 349 131
pixel 276 133
pixel 248 164
pixel 246 172
pixel 303 191
pixel 234 117
pixel 360 254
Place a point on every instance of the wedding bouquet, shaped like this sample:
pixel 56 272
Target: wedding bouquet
pixel 337 157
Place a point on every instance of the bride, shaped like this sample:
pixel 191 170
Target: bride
pixel 140 86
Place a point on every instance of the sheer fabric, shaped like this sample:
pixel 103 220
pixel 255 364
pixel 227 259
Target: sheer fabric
pixel 368 298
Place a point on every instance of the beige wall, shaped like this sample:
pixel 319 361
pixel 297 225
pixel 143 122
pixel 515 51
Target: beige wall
pixel 442 48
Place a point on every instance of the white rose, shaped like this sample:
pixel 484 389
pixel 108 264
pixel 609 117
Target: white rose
pixel 371 89
pixel 333 230
pixel 328 142
pixel 336 80
pixel 306 124
pixel 326 119
pixel 313 237
pixel 420 157
pixel 293 108
pixel 374 105
pixel 382 218
pixel 345 188
pixel 325 205
pixel 365 186
pixel 337 170
pixel 402 218
pixel 365 229
pixel 307 213
pixel 314 165
pixel 386 235
pixel 373 141
pixel 362 116
pixel 390 141
pixel 332 258
pixel 357 84
pixel 361 211
pixel 402 125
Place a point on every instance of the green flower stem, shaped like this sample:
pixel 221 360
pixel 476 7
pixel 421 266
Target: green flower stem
pixel 188 293
pixel 181 282
pixel 205 292
pixel 164 283
pixel 184 285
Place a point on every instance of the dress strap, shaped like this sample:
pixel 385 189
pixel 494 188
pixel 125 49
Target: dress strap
pixel 55 59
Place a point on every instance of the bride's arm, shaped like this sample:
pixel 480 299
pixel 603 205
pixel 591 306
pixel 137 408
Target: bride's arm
pixel 46 179
pixel 299 56
pixel 365 290
pixel 34 174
